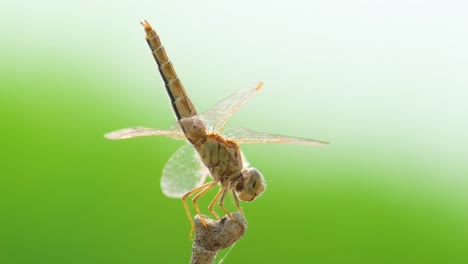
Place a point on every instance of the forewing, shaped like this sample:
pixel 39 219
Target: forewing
pixel 217 117
pixel 183 172
pixel 143 132
pixel 245 162
pixel 246 136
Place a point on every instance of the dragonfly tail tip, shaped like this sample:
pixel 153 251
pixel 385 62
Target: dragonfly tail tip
pixel 146 25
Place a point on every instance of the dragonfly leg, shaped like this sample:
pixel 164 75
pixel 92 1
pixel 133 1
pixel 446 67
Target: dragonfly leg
pixel 187 211
pixel 210 207
pixel 221 204
pixel 236 201
pixel 208 187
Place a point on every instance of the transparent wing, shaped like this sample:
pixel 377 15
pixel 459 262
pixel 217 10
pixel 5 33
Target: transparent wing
pixel 183 172
pixel 245 162
pixel 217 117
pixel 246 136
pixel 143 132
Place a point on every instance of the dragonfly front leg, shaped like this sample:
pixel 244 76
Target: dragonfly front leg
pixel 222 191
pixel 221 204
pixel 236 201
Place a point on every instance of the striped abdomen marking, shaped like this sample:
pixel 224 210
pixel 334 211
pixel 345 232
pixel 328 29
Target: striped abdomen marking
pixel 181 104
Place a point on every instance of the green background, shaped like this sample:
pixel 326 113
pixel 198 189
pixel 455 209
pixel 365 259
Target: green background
pixel 384 81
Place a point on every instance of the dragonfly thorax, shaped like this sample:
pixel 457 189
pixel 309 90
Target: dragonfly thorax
pixel 222 157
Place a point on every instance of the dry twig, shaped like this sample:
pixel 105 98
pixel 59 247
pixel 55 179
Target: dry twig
pixel 216 236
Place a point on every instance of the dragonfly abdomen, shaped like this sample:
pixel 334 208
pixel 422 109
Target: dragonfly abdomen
pixel 181 104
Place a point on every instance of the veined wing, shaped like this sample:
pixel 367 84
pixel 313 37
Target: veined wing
pixel 245 162
pixel 246 136
pixel 217 117
pixel 143 132
pixel 183 172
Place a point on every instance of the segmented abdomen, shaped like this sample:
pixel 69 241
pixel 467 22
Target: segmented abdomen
pixel 193 128
pixel 181 104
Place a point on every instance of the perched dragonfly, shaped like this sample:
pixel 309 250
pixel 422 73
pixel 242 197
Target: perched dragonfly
pixel 208 151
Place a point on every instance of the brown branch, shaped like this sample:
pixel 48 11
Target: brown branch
pixel 216 236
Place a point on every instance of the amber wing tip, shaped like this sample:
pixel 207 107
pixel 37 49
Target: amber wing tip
pixel 259 86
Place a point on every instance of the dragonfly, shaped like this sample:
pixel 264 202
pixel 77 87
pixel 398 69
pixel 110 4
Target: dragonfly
pixel 210 150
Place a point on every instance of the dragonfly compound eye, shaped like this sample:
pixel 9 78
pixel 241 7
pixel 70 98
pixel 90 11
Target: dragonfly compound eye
pixel 254 185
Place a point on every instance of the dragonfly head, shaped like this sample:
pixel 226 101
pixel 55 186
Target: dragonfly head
pixel 253 185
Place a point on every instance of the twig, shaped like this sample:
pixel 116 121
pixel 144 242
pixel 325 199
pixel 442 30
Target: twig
pixel 216 236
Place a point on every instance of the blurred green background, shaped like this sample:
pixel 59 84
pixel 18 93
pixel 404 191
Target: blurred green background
pixel 384 81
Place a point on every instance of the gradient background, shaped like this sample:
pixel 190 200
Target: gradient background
pixel 384 81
